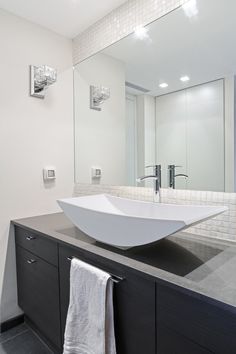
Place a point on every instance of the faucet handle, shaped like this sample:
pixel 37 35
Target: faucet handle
pixel 153 166
pixel 181 175
pixel 157 172
pixel 174 166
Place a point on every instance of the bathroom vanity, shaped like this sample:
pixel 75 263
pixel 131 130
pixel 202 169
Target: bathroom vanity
pixel 177 296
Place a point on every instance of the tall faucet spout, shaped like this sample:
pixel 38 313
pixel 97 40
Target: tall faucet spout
pixel 156 177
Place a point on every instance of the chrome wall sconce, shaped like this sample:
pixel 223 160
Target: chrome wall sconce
pixel 41 77
pixel 98 95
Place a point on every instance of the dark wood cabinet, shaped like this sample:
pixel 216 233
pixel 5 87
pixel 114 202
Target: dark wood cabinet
pixel 134 302
pixel 38 245
pixel 201 320
pixel 38 294
pixel 171 342
pixel 151 315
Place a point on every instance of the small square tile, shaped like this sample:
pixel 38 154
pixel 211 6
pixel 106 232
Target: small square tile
pixel 118 24
pixel 24 343
pixel 222 226
pixel 13 332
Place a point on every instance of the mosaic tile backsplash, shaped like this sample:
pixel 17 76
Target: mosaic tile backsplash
pixel 223 226
pixel 119 23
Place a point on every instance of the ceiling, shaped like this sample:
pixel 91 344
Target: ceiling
pixel 65 17
pixel 202 47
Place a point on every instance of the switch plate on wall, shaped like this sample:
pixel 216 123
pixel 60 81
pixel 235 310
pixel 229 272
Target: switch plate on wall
pixel 49 173
pixel 96 172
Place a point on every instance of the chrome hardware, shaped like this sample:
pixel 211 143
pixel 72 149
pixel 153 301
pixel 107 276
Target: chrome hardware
pixel 30 238
pixel 31 261
pixel 157 180
pixel 41 77
pixel 172 175
pixel 156 172
pixel 98 95
pixel 114 278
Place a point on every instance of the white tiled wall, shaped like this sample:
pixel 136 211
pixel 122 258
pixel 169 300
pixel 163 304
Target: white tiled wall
pixel 110 29
pixel 223 226
pixel 119 23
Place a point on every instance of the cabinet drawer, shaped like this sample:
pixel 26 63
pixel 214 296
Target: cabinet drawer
pixel 38 293
pixel 134 302
pixel 206 322
pixel 38 245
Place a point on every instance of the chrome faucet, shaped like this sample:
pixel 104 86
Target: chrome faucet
pixel 156 176
pixel 172 175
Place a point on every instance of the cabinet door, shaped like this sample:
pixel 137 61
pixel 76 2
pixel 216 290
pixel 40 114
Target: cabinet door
pixel 170 342
pixel 201 320
pixel 134 303
pixel 38 294
pixel 171 134
pixel 205 137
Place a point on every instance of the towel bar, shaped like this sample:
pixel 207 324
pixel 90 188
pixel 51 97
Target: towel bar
pixel 114 278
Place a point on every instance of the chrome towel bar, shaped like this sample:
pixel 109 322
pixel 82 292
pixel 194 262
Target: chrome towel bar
pixel 115 278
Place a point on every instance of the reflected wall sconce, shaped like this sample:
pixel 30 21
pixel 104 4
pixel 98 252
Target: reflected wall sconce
pixel 41 77
pixel 98 95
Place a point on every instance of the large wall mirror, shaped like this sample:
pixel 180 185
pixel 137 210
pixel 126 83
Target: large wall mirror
pixel 163 95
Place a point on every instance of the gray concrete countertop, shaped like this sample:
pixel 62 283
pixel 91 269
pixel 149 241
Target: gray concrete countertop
pixel 203 265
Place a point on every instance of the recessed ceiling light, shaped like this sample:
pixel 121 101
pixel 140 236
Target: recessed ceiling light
pixel 163 85
pixel 185 78
pixel 190 8
pixel 141 32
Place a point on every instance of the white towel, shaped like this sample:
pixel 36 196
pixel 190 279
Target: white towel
pixel 90 320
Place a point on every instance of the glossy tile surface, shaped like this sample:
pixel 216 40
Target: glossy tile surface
pixel 22 340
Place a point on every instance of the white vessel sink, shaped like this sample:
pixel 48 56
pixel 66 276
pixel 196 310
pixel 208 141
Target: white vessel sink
pixel 127 223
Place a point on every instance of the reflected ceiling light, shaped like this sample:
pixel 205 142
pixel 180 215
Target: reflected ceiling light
pixel 190 8
pixel 141 32
pixel 163 85
pixel 185 78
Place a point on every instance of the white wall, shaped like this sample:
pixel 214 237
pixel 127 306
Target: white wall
pixel 100 135
pixel 33 133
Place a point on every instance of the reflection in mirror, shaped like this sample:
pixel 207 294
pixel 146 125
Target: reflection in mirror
pixel 170 100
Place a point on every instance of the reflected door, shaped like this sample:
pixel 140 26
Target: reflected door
pixel 171 138
pixel 190 133
pixel 205 136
